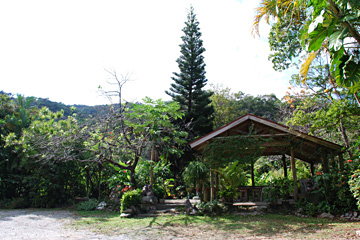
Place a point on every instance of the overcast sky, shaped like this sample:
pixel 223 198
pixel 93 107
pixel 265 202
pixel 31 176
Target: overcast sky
pixel 59 49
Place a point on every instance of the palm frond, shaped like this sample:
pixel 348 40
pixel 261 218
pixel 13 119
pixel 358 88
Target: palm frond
pixel 305 66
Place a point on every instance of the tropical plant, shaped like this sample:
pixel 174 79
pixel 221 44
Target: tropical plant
pixel 195 173
pixel 321 26
pixel 280 188
pixel 231 177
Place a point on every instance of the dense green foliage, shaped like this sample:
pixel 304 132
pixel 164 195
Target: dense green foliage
pixel 188 87
pixel 229 106
pixel 318 28
pixel 88 205
pixel 230 178
pixel 131 198
pixel 49 160
pixel 195 173
pixel 324 100
pixel 52 154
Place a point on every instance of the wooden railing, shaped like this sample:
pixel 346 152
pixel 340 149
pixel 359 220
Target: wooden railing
pixel 254 192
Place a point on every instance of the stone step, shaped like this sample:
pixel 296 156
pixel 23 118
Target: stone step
pixel 179 201
pixel 173 203
pixel 165 206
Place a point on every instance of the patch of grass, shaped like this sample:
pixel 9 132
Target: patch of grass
pixel 269 226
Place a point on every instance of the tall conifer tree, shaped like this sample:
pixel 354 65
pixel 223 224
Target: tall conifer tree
pixel 188 85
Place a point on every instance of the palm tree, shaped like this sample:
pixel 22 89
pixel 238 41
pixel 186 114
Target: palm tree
pixel 277 9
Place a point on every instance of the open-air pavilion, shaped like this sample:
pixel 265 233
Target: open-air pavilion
pixel 274 139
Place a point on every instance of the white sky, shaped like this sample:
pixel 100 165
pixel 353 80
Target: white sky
pixel 59 49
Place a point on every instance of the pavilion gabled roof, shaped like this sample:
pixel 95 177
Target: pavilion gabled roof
pixel 307 148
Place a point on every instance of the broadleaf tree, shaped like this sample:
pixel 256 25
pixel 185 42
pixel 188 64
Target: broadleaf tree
pixel 323 27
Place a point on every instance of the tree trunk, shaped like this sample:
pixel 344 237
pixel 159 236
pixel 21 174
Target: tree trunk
pixel 99 182
pixel 341 161
pixel 293 169
pixel 345 138
pixel 357 99
pixel 132 177
pixel 152 164
pixel 88 178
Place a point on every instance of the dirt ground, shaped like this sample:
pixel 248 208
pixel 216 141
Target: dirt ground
pixel 43 224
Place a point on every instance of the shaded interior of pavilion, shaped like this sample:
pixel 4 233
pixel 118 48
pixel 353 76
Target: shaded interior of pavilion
pixel 251 135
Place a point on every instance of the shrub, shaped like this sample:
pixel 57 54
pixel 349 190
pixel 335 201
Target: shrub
pixel 354 183
pixel 334 188
pixel 281 188
pixel 88 205
pixel 19 203
pixel 14 203
pixel 159 191
pixel 307 208
pixel 5 203
pixel 131 198
pixel 210 208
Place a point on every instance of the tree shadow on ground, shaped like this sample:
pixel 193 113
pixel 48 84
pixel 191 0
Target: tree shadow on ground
pixel 268 225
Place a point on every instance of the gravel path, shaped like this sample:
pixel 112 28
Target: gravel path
pixel 37 224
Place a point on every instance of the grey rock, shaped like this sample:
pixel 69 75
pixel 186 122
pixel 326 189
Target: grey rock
pixel 193 211
pixel 188 204
pixel 150 199
pixel 326 215
pixel 129 210
pixel 125 215
pixel 101 206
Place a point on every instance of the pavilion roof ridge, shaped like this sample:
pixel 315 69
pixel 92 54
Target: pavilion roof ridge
pixel 264 121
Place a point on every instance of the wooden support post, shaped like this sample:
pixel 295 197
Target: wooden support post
pixel 211 187
pixel 332 161
pixel 252 174
pixel 293 169
pixel 324 162
pixel 216 188
pixel 341 161
pixel 284 165
pixel 312 169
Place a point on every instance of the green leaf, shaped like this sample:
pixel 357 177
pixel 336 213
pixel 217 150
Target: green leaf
pixel 354 3
pixel 335 57
pixel 317 38
pixel 350 17
pixel 352 73
pixel 347 74
pixel 314 24
pixel 335 39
